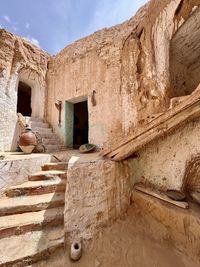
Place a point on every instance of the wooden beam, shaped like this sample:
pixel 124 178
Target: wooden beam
pixel 187 110
pixel 162 196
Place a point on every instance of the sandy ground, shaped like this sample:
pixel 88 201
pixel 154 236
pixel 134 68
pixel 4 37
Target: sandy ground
pixel 123 245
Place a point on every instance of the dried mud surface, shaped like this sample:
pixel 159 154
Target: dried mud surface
pixel 124 245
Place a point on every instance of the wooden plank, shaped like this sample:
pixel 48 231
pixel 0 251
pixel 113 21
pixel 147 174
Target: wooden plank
pixel 148 136
pixel 172 118
pixel 162 196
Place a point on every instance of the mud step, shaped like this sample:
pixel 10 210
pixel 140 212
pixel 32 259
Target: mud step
pixel 51 141
pixel 52 148
pixel 47 175
pixel 32 119
pixel 24 204
pixel 37 188
pixel 27 249
pixel 19 224
pixel 55 166
pixel 52 136
pixel 42 131
pixel 40 124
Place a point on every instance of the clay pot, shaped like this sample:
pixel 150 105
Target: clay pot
pixel 76 251
pixel 27 141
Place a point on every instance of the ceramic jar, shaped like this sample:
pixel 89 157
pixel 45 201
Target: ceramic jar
pixel 27 140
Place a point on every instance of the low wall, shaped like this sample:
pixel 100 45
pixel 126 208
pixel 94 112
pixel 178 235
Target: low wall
pixel 164 222
pixel 15 168
pixel 98 192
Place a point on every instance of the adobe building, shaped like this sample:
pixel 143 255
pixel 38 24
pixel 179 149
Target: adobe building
pixel 133 90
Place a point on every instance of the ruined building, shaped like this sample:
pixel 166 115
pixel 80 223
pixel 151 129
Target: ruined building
pixel 133 90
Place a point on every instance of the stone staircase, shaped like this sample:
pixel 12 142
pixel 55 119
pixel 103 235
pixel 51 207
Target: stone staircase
pixel 50 140
pixel 31 217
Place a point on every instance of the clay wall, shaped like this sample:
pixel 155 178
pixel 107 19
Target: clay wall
pixel 16 169
pixel 98 192
pixel 126 69
pixel 184 57
pixel 19 61
pixel 91 69
pixel 163 162
pixel 123 72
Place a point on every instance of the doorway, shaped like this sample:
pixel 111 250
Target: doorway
pixel 76 123
pixel 24 99
pixel 80 133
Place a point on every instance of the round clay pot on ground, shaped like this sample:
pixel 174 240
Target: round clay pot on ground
pixel 76 251
pixel 27 140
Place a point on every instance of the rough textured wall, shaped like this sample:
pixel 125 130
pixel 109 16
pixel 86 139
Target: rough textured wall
pixel 163 163
pixel 98 192
pixel 15 171
pixel 179 227
pixel 128 66
pixel 146 60
pixel 19 61
pixel 184 57
pixel 92 64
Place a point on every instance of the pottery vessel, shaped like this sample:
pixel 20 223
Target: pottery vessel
pixel 76 251
pixel 27 141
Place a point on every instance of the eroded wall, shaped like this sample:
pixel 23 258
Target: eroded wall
pixel 163 163
pixel 16 169
pixel 128 68
pixel 19 61
pixel 90 65
pixel 146 60
pixel 98 192
pixel 185 57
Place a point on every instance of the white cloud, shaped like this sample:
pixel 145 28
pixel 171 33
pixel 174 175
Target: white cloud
pixel 7 18
pixel 33 40
pixel 27 25
pixel 14 28
pixel 1 26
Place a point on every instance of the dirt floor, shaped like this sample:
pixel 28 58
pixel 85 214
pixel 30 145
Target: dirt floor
pixel 124 245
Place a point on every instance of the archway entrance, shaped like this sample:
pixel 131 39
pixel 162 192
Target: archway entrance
pixel 24 99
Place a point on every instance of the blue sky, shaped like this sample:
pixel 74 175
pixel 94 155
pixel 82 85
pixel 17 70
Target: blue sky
pixel 52 24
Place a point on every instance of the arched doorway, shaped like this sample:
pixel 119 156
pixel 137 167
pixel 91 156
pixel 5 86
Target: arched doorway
pixel 24 99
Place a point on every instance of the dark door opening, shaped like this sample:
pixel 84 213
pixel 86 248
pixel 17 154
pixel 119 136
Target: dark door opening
pixel 80 135
pixel 24 99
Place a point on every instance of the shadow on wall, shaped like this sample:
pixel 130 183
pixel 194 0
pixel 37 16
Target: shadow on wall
pixel 24 99
pixel 191 182
pixel 16 134
pixel 184 57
